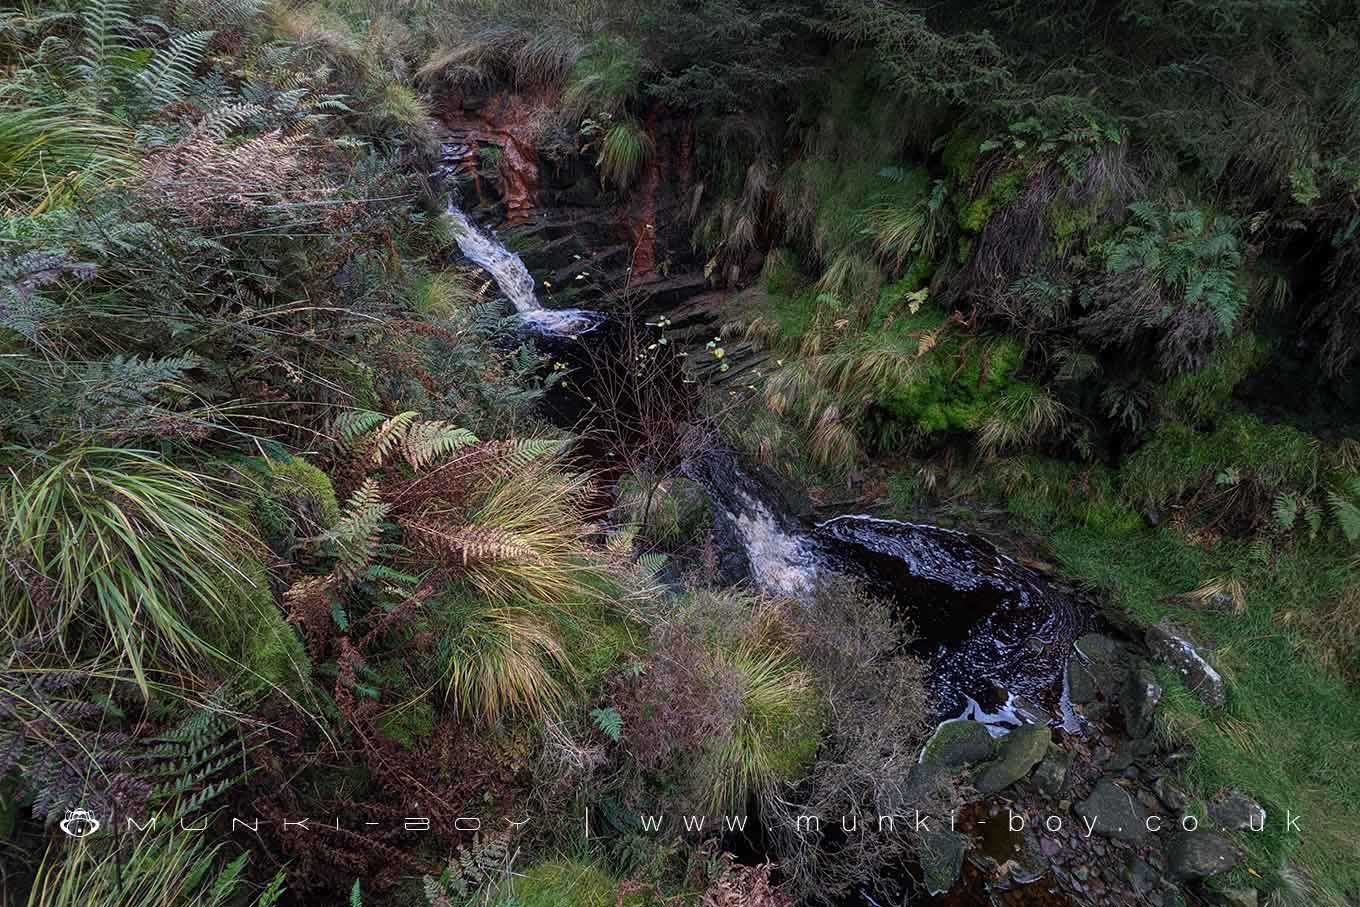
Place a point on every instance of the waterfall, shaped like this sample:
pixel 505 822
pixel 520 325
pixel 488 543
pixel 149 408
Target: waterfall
pixel 997 634
pixel 515 281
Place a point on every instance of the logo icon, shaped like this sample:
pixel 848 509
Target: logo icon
pixel 79 823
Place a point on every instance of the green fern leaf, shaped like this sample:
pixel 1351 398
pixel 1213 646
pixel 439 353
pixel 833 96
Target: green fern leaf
pixel 1347 515
pixel 172 70
pixel 609 721
pixel 1286 510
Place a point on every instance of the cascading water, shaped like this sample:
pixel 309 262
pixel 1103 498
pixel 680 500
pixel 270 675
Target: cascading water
pixel 997 634
pixel 515 281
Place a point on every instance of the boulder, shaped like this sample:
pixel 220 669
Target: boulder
pixel 1239 897
pixel 941 855
pixel 1081 683
pixel 1142 878
pixel 1199 855
pixel 1172 797
pixel 957 743
pixel 1139 700
pixel 1171 645
pixel 1235 811
pixel 1105 661
pixel 1020 751
pixel 1050 778
pixel 1114 813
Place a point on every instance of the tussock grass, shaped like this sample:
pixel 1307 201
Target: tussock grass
pixel 117 545
pixel 155 870
pixel 623 151
pixel 49 153
pixel 498 662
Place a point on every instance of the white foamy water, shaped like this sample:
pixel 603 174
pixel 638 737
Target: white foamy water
pixel 515 281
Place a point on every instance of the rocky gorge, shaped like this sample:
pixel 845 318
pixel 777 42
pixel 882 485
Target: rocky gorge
pixel 1068 800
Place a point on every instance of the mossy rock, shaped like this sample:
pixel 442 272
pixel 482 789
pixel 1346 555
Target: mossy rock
pixel 940 853
pixel 957 743
pixel 263 650
pixel 294 500
pixel 1020 751
pixel 298 480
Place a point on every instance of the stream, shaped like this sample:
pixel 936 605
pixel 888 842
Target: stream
pixel 996 633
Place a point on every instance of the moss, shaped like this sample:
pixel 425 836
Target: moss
pixel 957 383
pixel 960 155
pixel 1004 188
pixel 1069 224
pixel 564 883
pixel 1202 396
pixel 254 634
pixel 410 724
pixel 1179 459
pixel 299 480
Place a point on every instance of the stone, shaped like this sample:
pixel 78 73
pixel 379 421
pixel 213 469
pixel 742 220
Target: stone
pixel 1139 699
pixel 941 855
pixel 957 743
pixel 1239 897
pixel 1114 813
pixel 1199 855
pixel 1142 878
pixel 1106 660
pixel 1081 683
pixel 1235 811
pixel 1020 751
pixel 1172 646
pixel 1172 797
pixel 1050 778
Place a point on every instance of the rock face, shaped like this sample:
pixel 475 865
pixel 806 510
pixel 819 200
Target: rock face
pixel 1114 813
pixel 1020 751
pixel 1199 855
pixel 1139 700
pixel 1171 645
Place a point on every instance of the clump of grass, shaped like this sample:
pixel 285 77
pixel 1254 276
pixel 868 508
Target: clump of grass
pixel 774 733
pixel 496 662
pixel 605 78
pixel 117 545
pixel 153 871
pixel 49 153
pixel 623 151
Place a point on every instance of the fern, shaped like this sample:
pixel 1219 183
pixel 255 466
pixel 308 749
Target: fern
pixel 104 49
pixel 171 72
pixel 356 534
pixel 1345 510
pixel 426 442
pixel 353 424
pixel 469 868
pixel 389 436
pixel 1286 510
pixel 609 721
pixel 420 442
